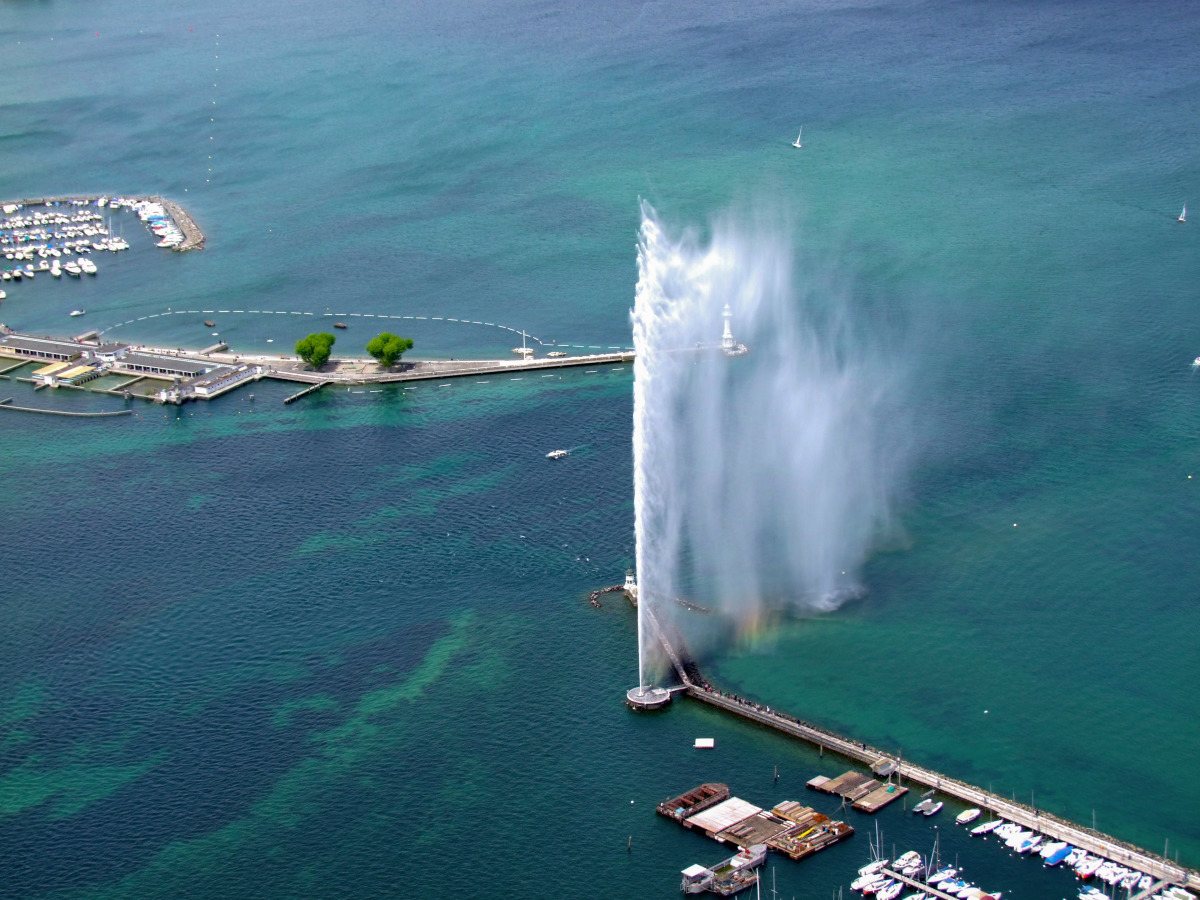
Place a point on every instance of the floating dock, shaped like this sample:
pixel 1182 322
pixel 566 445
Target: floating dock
pixel 864 792
pixel 790 828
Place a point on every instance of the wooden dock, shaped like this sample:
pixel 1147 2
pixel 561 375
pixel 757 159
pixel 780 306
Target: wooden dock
pixel 308 390
pixel 864 792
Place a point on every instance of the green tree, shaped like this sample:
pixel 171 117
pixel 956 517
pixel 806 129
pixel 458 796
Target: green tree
pixel 315 348
pixel 387 348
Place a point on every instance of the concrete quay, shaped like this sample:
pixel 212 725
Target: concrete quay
pixel 193 237
pixel 1047 824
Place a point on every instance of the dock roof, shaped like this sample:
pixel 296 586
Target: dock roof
pixel 170 365
pixel 723 815
pixel 27 344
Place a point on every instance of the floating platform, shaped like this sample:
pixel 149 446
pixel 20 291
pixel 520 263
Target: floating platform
pixel 815 831
pixel 790 828
pixel 697 799
pixel 864 792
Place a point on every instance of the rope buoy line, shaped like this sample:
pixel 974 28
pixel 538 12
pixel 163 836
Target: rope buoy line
pixel 329 315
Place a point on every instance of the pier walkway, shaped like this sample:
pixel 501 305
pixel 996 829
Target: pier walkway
pixel 1050 826
pixel 930 889
pixel 342 371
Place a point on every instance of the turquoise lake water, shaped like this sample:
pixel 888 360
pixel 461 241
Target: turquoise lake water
pixel 343 648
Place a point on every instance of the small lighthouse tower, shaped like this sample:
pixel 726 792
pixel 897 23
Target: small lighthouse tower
pixel 631 588
pixel 727 343
pixel 729 346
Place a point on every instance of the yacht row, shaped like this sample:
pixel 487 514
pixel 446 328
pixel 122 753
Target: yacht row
pixel 878 879
pixel 1053 853
pixel 73 267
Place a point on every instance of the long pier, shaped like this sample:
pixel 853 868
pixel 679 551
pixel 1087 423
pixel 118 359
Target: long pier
pixel 1044 823
pixel 430 370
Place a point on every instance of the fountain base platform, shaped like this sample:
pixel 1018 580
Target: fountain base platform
pixel 647 696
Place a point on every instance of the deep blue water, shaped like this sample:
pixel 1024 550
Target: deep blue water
pixel 343 648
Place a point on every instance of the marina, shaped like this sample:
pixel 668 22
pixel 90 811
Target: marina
pixel 56 235
pixel 1048 827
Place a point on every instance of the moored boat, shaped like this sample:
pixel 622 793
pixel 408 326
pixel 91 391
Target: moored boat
pixel 987 826
pixel 936 808
pixel 728 877
pixel 967 816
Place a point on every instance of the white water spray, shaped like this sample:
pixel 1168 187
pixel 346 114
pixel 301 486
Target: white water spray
pixel 763 479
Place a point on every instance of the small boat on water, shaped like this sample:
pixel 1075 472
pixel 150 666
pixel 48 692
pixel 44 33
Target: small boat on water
pixel 1183 215
pixel 728 877
pixel 3 296
pixel 796 143
pixel 922 806
pixel 77 312
pixel 1058 856
pixel 558 454
pixel 1087 867
pixel 1029 844
pixel 873 868
pixel 933 810
pixel 890 891
pixel 987 826
pixel 942 874
pixel 866 880
pixel 968 815
pixel 339 324
pixel 209 323
pixel 87 265
pixel 556 354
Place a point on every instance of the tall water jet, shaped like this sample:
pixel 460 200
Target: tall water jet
pixel 762 478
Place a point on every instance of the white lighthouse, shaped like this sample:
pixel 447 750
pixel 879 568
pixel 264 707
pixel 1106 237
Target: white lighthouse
pixel 728 345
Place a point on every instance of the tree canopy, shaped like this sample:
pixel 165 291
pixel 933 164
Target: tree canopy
pixel 315 348
pixel 387 348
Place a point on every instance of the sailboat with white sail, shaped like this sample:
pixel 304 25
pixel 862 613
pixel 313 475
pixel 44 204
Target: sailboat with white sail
pixel 796 143
pixel 1182 215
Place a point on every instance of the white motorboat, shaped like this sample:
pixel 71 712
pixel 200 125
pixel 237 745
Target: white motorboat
pixel 1048 850
pixel 987 826
pixel 906 859
pixel 72 269
pixel 3 296
pixel 796 143
pixel 1031 844
pixel 873 868
pixel 967 816
pixel 558 454
pixel 1088 866
pixel 863 880
pixel 88 266
pixel 936 808
pixel 77 312
pixel 922 806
